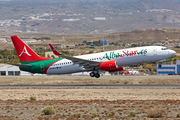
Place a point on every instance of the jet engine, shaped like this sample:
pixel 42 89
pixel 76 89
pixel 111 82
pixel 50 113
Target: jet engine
pixel 109 65
pixel 117 69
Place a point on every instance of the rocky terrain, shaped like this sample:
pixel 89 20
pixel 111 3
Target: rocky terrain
pixel 69 109
pixel 86 103
pixel 99 104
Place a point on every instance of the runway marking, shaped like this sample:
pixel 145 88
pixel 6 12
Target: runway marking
pixel 89 86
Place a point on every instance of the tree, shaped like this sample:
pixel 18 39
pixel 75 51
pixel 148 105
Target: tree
pixel 53 56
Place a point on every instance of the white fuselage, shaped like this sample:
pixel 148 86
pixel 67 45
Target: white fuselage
pixel 123 57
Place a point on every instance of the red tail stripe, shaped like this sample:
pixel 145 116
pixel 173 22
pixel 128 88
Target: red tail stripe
pixel 24 52
pixel 45 71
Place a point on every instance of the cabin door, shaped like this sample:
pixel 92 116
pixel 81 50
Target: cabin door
pixel 154 51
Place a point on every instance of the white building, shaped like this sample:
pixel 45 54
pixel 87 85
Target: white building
pixel 6 70
pixel 3 40
pixel 100 18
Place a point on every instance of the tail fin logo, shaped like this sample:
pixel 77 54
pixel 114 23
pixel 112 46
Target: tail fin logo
pixel 24 51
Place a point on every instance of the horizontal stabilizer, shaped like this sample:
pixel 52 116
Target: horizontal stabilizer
pixel 20 65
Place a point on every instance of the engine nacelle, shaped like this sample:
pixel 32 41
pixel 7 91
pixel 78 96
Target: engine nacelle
pixel 109 65
pixel 117 69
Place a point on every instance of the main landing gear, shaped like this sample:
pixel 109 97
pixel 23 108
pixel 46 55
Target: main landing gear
pixel 93 74
pixel 96 75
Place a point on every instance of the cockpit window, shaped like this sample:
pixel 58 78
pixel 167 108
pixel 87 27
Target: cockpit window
pixel 164 48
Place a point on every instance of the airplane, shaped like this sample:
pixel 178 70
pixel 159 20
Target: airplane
pixel 111 61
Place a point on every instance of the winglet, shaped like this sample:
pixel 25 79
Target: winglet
pixel 54 50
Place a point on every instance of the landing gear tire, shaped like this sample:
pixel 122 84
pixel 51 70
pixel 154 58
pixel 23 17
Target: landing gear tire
pixel 97 75
pixel 92 74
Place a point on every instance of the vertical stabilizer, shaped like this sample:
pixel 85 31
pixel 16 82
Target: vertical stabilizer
pixel 24 52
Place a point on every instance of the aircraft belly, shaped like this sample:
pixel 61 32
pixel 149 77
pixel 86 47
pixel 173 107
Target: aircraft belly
pixel 65 69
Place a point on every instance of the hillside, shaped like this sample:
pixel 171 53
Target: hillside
pixel 146 35
pixel 79 16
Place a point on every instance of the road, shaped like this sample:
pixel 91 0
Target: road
pixel 90 86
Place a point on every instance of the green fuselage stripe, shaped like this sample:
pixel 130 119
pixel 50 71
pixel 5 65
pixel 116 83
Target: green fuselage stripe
pixel 38 66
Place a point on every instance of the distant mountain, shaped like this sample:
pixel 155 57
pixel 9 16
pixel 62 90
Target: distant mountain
pixel 143 5
pixel 140 5
pixel 78 16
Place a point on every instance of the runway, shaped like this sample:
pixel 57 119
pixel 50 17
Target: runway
pixel 90 86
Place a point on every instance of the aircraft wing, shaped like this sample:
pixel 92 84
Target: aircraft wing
pixel 82 62
pixel 20 65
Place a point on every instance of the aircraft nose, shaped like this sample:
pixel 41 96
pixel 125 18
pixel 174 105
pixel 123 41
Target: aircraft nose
pixel 172 52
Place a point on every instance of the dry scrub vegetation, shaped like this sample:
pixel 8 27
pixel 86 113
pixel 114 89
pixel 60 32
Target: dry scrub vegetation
pixel 86 104
pixel 89 103
pixel 87 80
pixel 89 109
pixel 156 112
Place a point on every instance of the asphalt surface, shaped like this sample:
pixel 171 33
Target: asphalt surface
pixel 89 86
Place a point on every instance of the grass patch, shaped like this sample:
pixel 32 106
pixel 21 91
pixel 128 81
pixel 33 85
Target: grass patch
pixel 76 115
pixel 48 110
pixel 32 98
pixel 132 113
pixel 93 113
pixel 111 113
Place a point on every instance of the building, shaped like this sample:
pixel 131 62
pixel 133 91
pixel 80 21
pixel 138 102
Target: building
pixel 100 18
pixel 3 40
pixel 169 69
pixel 9 70
pixel 50 54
